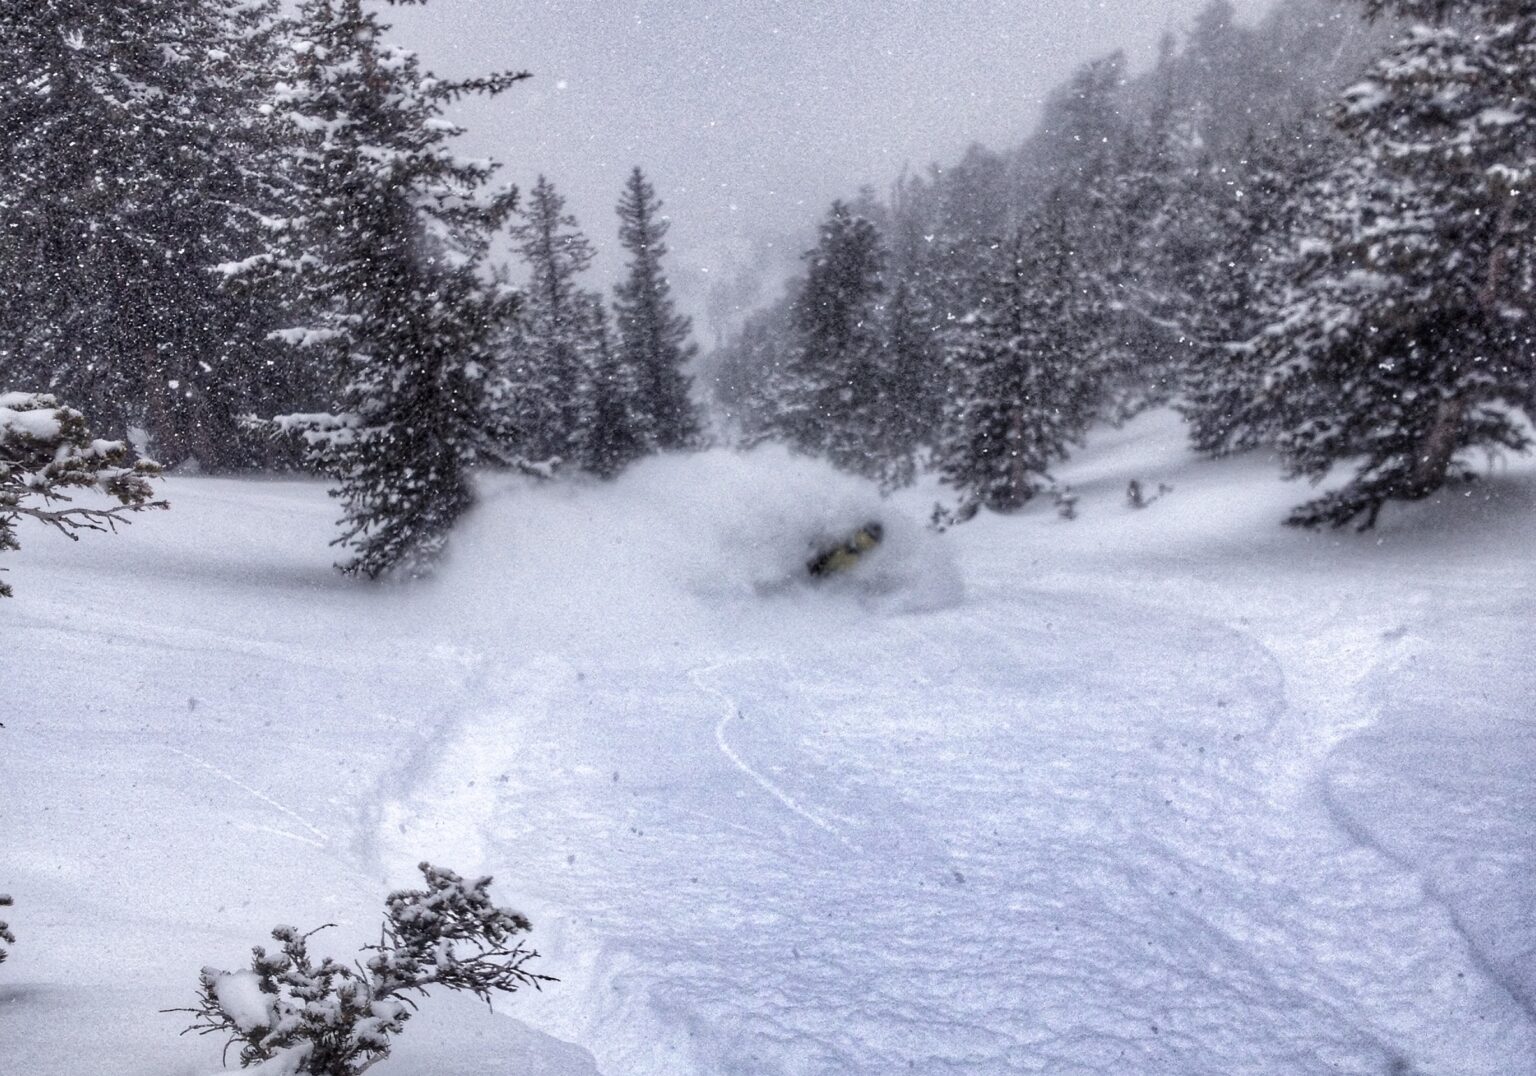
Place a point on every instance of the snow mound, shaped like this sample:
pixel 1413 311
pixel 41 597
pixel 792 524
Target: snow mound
pixel 715 527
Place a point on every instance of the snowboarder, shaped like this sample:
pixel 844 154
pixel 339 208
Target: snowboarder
pixel 846 554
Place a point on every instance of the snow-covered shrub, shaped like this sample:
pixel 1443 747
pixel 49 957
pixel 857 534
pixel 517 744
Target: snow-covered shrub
pixel 5 929
pixel 292 1014
pixel 1136 494
pixel 45 449
pixel 1065 500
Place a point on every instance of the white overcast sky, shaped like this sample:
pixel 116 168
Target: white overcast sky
pixel 751 117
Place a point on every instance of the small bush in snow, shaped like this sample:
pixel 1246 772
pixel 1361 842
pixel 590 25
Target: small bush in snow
pixel 5 929
pixel 291 1014
pixel 1066 501
pixel 1136 496
pixel 45 449
pixel 945 517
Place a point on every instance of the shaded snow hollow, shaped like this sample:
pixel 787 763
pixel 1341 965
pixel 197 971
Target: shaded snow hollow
pixel 1174 790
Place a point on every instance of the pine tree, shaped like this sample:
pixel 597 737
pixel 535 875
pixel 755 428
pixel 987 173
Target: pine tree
pixel 1217 55
pixel 1154 179
pixel 46 450
pixel 926 294
pixel 1119 205
pixel 911 365
pixel 1151 250
pixel 1022 388
pixel 5 929
pixel 126 135
pixel 942 228
pixel 1113 175
pixel 836 392
pixel 554 333
pixel 1245 212
pixel 385 242
pixel 974 204
pixel 653 336
pixel 616 428
pixel 1399 338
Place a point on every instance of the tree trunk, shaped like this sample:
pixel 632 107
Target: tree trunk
pixel 1433 456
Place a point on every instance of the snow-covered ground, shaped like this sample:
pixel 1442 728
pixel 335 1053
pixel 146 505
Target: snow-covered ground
pixel 1175 790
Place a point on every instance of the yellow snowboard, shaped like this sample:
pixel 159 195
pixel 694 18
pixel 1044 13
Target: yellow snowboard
pixel 846 554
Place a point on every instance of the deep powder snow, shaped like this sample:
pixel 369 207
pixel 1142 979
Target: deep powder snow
pixel 1163 791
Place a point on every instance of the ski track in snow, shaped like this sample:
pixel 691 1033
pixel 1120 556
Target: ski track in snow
pixel 732 712
pixel 1335 656
pixel 438 808
pixel 1347 903
pixel 1518 993
pixel 324 839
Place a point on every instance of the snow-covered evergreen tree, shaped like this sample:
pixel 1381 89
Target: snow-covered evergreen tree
pixel 973 199
pixel 653 336
pixel 1154 177
pixel 1022 386
pixel 1151 249
pixel 924 296
pixel 1243 214
pixel 911 368
pixel 1114 193
pixel 46 451
pixel 127 132
pixel 385 240
pixel 327 1018
pixel 617 426
pixel 1401 338
pixel 554 340
pixel 836 393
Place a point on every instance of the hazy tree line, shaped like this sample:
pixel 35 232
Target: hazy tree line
pixel 235 234
pixel 1311 234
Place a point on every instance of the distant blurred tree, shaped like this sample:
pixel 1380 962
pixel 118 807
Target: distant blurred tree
pixel 653 336
pixel 1022 385
pixel 747 382
pixel 559 335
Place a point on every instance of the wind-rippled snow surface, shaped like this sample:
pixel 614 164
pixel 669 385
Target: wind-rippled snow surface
pixel 1163 791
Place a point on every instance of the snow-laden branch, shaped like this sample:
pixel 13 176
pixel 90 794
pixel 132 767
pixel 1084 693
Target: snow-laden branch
pixel 46 449
pixel 298 1015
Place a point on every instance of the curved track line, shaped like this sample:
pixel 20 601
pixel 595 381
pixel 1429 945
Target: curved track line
pixel 1477 951
pixel 262 796
pixel 732 710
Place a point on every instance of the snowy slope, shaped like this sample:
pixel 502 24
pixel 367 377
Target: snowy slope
pixel 1164 791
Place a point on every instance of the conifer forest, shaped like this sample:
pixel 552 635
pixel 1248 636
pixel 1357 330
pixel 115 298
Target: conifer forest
pixel 785 540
